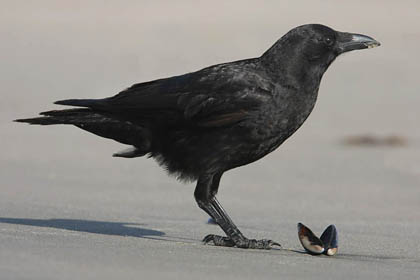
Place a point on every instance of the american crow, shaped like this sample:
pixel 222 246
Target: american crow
pixel 201 124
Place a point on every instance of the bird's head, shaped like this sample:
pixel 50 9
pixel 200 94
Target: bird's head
pixel 316 45
pixel 319 42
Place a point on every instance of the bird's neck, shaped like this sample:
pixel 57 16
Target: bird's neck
pixel 290 67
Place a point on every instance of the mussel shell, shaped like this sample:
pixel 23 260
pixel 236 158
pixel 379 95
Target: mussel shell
pixel 330 240
pixel 310 242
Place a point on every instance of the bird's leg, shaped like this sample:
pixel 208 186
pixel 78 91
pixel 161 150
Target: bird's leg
pixel 205 197
pixel 235 237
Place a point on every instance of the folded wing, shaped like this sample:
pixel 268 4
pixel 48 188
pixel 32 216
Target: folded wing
pixel 199 99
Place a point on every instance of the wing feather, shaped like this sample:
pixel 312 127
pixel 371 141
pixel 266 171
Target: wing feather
pixel 205 99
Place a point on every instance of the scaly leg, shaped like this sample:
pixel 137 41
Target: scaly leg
pixel 205 196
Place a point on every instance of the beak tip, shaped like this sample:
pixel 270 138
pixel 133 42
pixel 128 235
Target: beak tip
pixel 374 44
pixel 352 41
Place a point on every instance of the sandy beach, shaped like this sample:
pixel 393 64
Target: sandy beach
pixel 69 210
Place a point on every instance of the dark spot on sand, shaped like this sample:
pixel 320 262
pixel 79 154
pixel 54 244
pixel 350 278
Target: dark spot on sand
pixel 369 140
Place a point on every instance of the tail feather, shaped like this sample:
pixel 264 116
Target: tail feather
pixel 70 116
pixel 39 120
pixel 80 102
pixel 101 124
pixel 67 112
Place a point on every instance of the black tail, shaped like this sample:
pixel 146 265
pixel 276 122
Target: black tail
pixel 71 116
pixel 99 123
pixel 81 102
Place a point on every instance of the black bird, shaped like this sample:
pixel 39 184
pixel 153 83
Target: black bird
pixel 201 124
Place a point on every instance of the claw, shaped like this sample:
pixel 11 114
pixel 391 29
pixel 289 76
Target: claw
pixel 275 244
pixel 208 238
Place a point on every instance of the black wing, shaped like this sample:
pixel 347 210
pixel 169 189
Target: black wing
pixel 215 96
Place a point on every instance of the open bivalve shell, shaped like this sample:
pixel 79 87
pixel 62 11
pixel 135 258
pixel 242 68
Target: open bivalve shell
pixel 327 244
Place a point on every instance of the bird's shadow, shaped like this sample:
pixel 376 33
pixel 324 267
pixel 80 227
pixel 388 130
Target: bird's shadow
pixel 98 227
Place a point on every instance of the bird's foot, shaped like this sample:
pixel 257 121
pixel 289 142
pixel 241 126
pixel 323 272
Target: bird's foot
pixel 244 243
pixel 219 240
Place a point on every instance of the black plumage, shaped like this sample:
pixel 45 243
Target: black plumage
pixel 201 124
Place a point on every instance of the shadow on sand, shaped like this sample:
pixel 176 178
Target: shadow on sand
pixel 99 227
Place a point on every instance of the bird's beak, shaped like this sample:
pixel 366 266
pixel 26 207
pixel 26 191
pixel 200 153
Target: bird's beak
pixel 349 41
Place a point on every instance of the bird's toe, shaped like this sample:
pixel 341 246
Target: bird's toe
pixel 265 244
pixel 219 240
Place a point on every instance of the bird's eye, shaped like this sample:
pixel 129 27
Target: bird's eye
pixel 328 41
